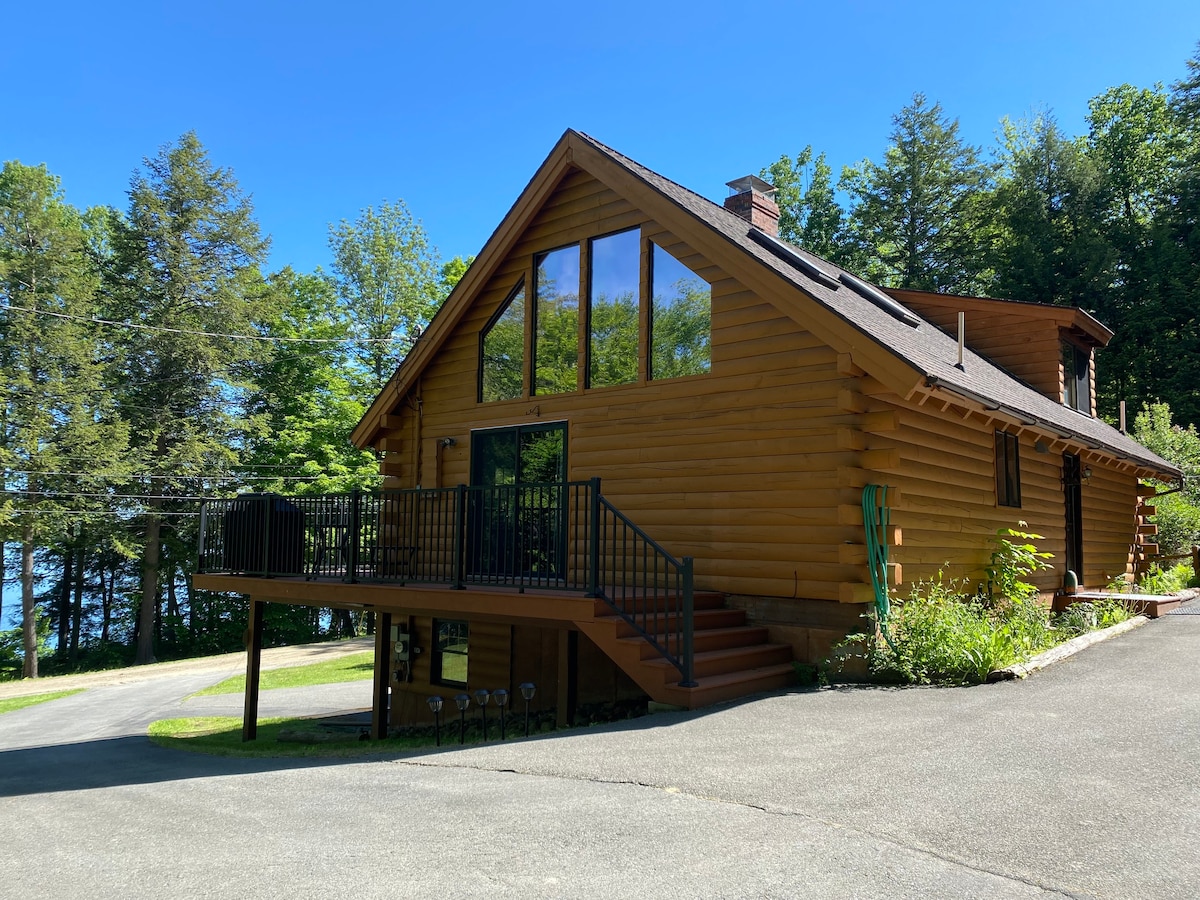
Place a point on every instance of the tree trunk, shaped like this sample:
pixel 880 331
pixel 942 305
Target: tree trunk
pixel 77 606
pixel 149 605
pixel 173 614
pixel 105 604
pixel 28 610
pixel 3 570
pixel 64 601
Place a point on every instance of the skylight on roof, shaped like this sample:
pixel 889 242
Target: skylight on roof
pixel 879 298
pixel 788 253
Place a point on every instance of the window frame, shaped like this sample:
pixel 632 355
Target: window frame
pixel 1077 377
pixel 436 664
pixel 654 249
pixel 517 289
pixel 582 264
pixel 1008 469
pixel 589 276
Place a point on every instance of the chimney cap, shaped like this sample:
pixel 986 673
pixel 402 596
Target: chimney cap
pixel 750 183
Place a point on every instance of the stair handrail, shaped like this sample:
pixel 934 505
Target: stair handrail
pixel 674 644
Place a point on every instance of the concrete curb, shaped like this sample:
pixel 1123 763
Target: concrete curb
pixel 1062 651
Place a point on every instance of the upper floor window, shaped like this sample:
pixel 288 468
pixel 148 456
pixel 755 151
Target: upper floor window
pixel 502 350
pixel 556 321
pixel 630 285
pixel 614 272
pixel 1077 380
pixel 1008 469
pixel 680 318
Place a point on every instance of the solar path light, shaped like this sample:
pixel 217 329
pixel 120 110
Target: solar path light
pixel 462 701
pixel 435 707
pixel 501 696
pixel 481 697
pixel 528 689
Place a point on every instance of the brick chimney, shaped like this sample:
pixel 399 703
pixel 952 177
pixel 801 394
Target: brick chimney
pixel 754 200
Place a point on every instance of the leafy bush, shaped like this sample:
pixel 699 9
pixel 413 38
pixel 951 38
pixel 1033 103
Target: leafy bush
pixel 945 633
pixel 1170 581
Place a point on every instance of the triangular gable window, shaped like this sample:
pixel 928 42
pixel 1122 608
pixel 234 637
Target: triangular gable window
pixel 680 318
pixel 502 350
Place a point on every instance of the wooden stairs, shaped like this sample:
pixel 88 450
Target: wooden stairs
pixel 731 659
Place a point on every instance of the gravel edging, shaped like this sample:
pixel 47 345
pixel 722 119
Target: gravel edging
pixel 1062 651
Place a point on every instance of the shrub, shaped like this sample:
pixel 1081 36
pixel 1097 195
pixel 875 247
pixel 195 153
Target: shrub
pixel 944 633
pixel 1158 581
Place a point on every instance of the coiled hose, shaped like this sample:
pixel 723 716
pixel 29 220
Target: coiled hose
pixel 876 519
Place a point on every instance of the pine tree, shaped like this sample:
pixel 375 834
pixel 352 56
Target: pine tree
pixel 918 220
pixel 185 276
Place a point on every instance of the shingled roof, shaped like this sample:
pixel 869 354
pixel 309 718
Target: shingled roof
pixel 924 346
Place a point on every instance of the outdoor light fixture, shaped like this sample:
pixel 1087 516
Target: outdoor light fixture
pixel 435 707
pixel 481 697
pixel 528 689
pixel 462 701
pixel 1087 474
pixel 501 696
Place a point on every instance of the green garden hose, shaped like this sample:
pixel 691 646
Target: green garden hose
pixel 876 519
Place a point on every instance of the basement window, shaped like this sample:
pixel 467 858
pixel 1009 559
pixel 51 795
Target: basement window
pixel 1008 470
pixel 680 318
pixel 449 663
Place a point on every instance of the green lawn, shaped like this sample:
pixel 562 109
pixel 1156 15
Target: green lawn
pixel 354 667
pixel 8 705
pixel 222 736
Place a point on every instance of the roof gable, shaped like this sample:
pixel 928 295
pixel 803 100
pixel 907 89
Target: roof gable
pixel 816 293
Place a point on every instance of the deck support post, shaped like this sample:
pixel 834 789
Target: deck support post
pixel 383 670
pixel 568 677
pixel 253 669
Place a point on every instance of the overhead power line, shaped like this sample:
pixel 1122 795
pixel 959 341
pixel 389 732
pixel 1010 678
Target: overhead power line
pixel 236 337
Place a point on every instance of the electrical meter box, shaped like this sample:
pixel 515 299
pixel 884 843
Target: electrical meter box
pixel 402 644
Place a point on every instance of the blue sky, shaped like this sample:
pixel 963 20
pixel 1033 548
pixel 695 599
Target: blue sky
pixel 324 109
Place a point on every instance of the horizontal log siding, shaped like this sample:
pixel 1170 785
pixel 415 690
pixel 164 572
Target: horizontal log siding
pixel 489 666
pixel 755 469
pixel 737 468
pixel 1109 524
pixel 948 513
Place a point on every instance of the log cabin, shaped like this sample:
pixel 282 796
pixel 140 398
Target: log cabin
pixel 647 448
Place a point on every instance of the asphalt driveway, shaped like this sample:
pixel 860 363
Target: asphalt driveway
pixel 1081 781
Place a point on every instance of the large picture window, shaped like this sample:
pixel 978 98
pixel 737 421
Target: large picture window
pixel 556 332
pixel 1008 469
pixel 680 318
pixel 450 642
pixel 614 270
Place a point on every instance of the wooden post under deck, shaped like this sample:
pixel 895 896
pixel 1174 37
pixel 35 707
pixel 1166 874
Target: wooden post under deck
pixel 383 670
pixel 253 668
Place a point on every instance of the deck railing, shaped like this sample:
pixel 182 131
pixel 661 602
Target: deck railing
pixel 561 535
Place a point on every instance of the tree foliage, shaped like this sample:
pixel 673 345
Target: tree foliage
pixel 918 218
pixel 390 283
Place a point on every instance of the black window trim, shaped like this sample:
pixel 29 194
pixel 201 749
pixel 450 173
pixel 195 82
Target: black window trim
pixel 1008 469
pixel 435 667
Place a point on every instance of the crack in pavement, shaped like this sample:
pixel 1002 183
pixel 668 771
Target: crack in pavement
pixel 782 813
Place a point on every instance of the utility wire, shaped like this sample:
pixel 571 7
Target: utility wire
pixel 236 337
